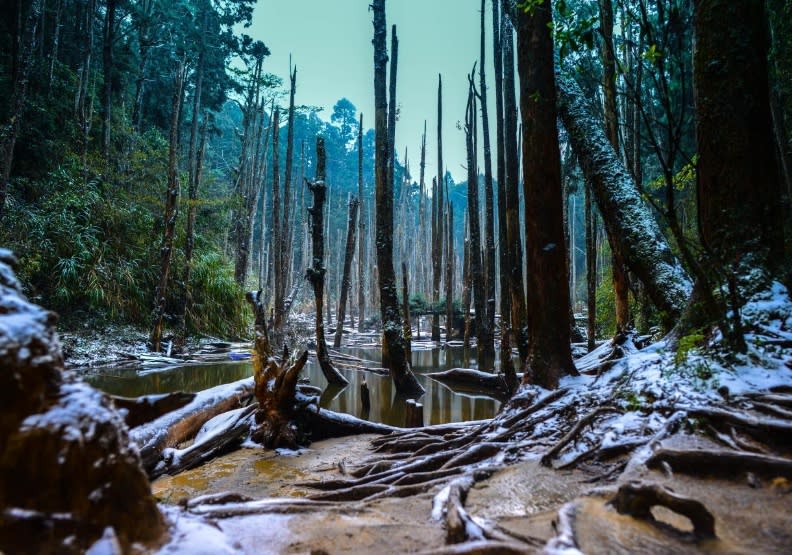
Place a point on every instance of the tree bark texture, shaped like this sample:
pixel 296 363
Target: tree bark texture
pixel 488 347
pixel 349 254
pixel 362 242
pixel 392 341
pixel 437 230
pixel 546 257
pixel 316 273
pixel 737 181
pixel 512 174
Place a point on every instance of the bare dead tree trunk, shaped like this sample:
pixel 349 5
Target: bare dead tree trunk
pixel 349 254
pixel 512 175
pixel 362 243
pixel 283 249
pixel 21 76
pixel 503 252
pixel 546 257
pixel 450 274
pixel 406 313
pixel 476 273
pixel 316 273
pixel 393 341
pixel 277 230
pixel 488 346
pixel 171 211
pixel 392 107
pixel 438 242
pixel 466 282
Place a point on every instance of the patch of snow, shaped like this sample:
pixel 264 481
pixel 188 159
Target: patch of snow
pixel 193 535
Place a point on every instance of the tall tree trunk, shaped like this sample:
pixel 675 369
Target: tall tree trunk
pixel 362 246
pixel 284 251
pixel 349 254
pixel 487 342
pixel 503 252
pixel 627 218
pixel 546 257
pixel 171 211
pixel 316 273
pixel 591 269
pixel 406 313
pixel 466 283
pixel 437 230
pixel 277 230
pixel 107 63
pixel 512 176
pixel 476 273
pixel 21 75
pixel 449 295
pixel 621 284
pixel 192 212
pixel 738 184
pixel 392 341
pixel 394 66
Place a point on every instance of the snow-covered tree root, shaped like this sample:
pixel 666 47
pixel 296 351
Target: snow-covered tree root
pixel 630 409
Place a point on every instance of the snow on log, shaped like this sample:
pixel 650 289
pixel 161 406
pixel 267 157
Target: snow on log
pixel 180 425
pixel 628 219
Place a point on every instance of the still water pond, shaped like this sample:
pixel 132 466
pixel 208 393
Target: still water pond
pixel 441 404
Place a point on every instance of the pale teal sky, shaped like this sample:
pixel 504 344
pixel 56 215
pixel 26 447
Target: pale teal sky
pixel 330 42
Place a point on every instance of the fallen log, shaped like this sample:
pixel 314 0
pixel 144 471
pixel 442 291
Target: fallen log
pixel 139 410
pixel 475 380
pixel 229 430
pixel 181 425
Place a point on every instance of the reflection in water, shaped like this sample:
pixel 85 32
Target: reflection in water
pixel 441 404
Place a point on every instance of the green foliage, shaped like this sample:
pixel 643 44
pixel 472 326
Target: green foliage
pixel 686 344
pixel 215 292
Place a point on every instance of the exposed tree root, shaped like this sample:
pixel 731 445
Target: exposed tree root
pixel 547 458
pixel 720 462
pixel 637 499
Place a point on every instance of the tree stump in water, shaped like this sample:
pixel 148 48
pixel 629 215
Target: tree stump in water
pixel 276 391
pixel 71 477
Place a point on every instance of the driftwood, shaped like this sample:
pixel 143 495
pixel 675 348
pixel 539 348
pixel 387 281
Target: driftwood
pixel 139 410
pixel 637 499
pixel 276 389
pixel 181 425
